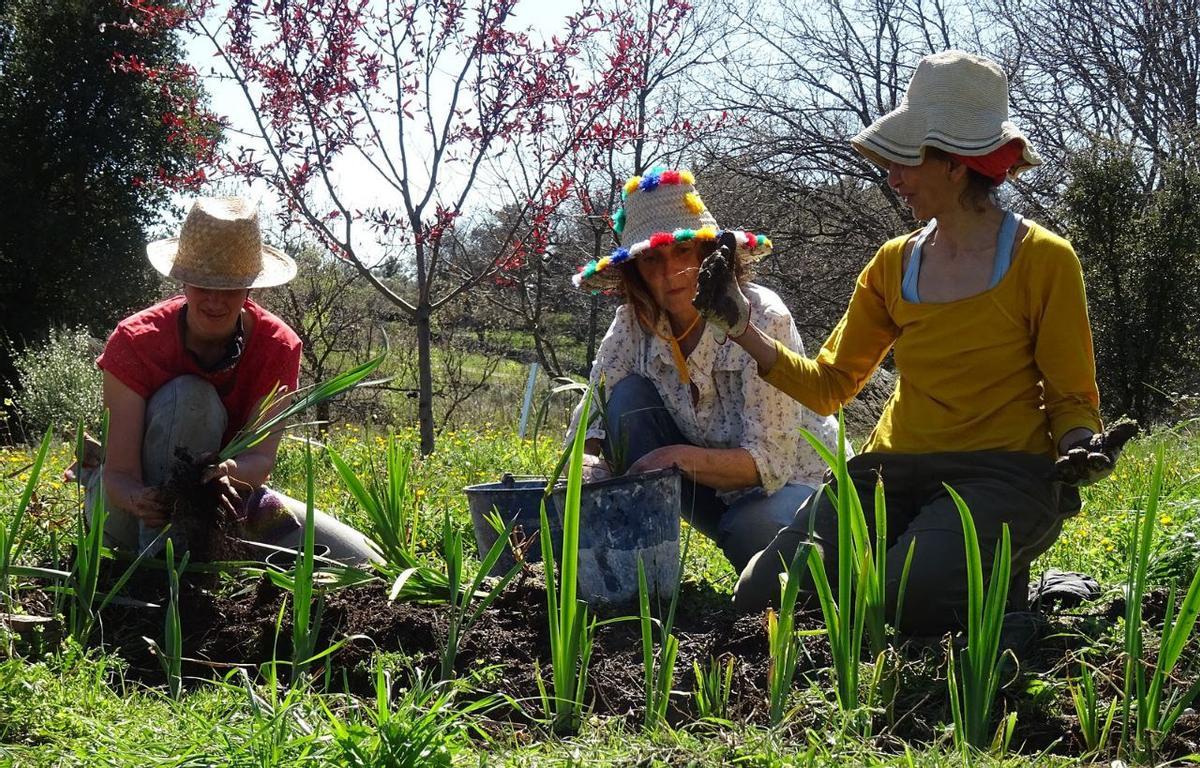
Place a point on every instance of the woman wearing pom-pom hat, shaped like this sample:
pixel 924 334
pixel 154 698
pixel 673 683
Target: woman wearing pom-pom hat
pixel 986 316
pixel 678 395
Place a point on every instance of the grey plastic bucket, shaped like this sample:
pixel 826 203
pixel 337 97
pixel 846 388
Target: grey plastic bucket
pixel 514 498
pixel 620 520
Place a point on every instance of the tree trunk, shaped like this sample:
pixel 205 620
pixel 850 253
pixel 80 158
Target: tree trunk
pixel 593 313
pixel 424 378
pixel 323 417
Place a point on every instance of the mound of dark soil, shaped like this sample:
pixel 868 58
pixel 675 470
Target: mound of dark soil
pixel 247 623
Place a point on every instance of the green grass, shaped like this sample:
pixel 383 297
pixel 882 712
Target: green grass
pixel 70 708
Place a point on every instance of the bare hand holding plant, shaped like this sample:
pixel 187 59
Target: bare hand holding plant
pixel 231 493
pixel 1092 459
pixel 719 298
pixel 151 505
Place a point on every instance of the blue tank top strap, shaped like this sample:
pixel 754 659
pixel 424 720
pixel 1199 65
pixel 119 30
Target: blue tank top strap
pixel 1005 242
pixel 908 287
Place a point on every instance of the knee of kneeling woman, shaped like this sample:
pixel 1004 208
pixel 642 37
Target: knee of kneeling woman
pixel 757 587
pixel 930 607
pixel 188 388
pixel 631 393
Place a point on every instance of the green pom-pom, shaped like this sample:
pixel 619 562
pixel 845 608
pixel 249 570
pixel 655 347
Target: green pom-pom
pixel 684 234
pixel 619 221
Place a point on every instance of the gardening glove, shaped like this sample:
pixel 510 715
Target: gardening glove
pixel 719 298
pixel 1093 459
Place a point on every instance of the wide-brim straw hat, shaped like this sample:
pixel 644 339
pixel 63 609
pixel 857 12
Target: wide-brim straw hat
pixel 661 208
pixel 220 246
pixel 957 102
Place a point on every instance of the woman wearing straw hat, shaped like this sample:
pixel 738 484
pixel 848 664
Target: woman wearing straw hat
pixel 677 394
pixel 188 373
pixel 986 315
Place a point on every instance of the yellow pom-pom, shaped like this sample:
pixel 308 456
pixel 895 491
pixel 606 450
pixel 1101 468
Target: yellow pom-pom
pixel 632 184
pixel 693 203
pixel 603 263
pixel 706 233
pixel 686 177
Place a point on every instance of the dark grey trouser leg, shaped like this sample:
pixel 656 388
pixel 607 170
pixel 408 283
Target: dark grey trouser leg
pixel 999 488
pixel 815 521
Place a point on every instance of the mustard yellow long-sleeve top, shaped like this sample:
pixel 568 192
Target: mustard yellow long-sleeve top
pixel 1008 369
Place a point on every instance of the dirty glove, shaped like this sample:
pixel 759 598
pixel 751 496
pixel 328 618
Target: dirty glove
pixel 719 298
pixel 1094 459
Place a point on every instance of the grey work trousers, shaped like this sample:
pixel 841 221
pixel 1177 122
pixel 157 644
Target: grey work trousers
pixel 998 487
pixel 186 412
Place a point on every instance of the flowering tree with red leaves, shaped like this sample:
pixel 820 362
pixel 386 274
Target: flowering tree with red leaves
pixel 384 124
pixel 661 114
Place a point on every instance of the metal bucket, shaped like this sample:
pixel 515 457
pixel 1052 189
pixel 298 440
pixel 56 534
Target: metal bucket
pixel 621 520
pixel 514 498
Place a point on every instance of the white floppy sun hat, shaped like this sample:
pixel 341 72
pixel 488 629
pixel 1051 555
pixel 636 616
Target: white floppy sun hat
pixel 220 246
pixel 957 102
pixel 661 208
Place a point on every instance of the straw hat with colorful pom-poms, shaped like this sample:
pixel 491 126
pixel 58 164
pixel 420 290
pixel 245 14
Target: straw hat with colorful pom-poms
pixel 661 208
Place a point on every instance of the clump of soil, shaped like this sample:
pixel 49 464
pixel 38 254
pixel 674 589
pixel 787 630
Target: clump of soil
pixel 210 531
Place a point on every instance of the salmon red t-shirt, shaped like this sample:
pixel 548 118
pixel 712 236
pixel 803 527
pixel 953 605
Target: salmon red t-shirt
pixel 146 351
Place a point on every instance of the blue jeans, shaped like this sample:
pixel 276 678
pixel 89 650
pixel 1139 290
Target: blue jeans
pixel 639 423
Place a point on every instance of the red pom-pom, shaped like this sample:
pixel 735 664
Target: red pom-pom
pixel 660 239
pixel 670 177
pixel 750 239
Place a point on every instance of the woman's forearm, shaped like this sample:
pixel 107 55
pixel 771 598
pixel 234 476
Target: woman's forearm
pixel 725 469
pixel 121 489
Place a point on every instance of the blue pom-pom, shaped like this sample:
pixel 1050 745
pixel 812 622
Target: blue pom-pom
pixel 619 255
pixel 649 182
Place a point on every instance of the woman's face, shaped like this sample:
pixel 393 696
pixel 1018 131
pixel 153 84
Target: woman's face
pixel 213 313
pixel 928 189
pixel 671 273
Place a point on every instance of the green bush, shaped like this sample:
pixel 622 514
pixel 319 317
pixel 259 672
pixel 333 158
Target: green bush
pixel 58 382
pixel 1137 234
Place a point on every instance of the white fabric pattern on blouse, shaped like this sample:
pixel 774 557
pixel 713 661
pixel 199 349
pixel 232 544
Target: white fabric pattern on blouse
pixel 735 408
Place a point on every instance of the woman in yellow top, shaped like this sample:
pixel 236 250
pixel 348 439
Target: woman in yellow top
pixel 986 315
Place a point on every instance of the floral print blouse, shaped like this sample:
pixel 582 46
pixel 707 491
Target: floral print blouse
pixel 735 407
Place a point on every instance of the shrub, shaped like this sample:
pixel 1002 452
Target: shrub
pixel 58 382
